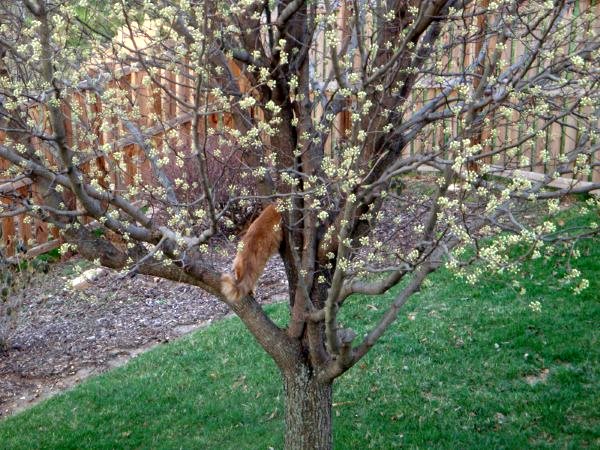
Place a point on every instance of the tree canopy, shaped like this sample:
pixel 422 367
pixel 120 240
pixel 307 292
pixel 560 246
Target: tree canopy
pixel 327 109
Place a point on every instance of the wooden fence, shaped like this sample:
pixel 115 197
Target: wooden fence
pixel 557 140
pixel 160 113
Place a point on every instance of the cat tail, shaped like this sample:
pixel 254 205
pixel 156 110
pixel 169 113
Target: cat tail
pixel 234 290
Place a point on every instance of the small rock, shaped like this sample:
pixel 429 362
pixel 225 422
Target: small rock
pixel 86 279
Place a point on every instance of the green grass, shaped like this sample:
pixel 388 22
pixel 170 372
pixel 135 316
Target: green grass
pixel 454 377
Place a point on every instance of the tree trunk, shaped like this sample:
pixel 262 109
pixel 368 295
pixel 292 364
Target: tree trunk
pixel 307 411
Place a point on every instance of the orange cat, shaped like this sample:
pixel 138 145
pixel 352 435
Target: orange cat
pixel 260 242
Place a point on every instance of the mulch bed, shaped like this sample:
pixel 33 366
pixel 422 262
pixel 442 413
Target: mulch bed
pixel 65 335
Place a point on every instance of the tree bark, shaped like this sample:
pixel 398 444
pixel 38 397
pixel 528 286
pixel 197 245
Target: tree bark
pixel 307 410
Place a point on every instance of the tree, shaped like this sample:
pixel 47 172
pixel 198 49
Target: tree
pixel 326 108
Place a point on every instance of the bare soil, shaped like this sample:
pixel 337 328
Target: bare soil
pixel 65 335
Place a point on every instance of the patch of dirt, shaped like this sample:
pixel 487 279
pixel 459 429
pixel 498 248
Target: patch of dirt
pixel 532 380
pixel 64 335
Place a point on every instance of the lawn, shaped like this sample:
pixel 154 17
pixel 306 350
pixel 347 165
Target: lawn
pixel 462 368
